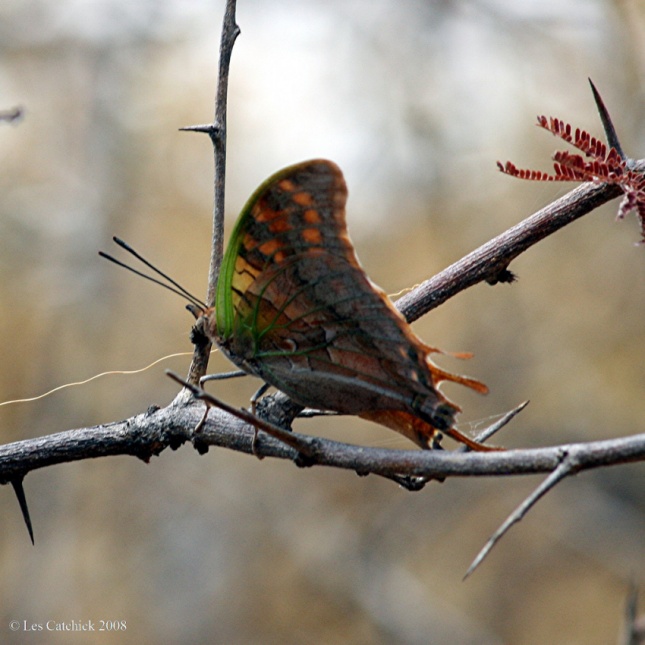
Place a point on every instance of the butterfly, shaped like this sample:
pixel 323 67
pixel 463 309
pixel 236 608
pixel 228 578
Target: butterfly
pixel 294 308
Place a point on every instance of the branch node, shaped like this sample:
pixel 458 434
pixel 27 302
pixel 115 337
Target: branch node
pixel 200 445
pixel 501 276
pixel 304 461
pixel 414 484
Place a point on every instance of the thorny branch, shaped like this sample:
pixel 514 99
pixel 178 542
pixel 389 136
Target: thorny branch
pixel 217 133
pixel 148 434
pixel 489 263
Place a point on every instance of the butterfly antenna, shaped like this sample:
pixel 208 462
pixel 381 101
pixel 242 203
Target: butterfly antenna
pixel 193 301
pixel 129 249
pixel 176 288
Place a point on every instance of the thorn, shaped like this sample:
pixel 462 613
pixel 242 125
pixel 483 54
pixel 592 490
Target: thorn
pixel 563 470
pixel 212 129
pixel 12 116
pixel 22 500
pixel 497 426
pixel 633 628
pixel 610 131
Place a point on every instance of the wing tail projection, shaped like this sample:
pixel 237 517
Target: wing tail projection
pixel 420 431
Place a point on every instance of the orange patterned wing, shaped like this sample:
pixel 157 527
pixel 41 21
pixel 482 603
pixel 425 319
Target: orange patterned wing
pixel 295 308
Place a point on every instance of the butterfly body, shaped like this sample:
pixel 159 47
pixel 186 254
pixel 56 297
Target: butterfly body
pixel 295 308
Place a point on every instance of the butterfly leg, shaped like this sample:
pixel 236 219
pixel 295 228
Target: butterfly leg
pixel 258 395
pixel 254 400
pixel 214 377
pixel 199 427
pixel 220 377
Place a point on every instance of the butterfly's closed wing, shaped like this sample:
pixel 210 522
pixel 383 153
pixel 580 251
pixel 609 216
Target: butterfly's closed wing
pixel 295 308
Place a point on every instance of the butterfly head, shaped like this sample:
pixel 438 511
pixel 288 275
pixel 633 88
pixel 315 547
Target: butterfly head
pixel 203 330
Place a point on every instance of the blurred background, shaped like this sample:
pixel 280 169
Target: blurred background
pixel 416 101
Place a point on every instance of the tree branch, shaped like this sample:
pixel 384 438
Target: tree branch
pixel 217 133
pixel 490 261
pixel 148 434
